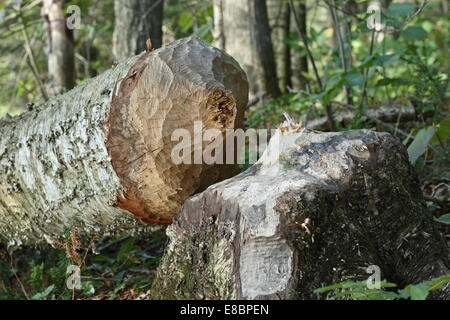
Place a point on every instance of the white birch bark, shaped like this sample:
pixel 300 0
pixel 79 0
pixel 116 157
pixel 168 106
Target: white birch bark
pixel 101 153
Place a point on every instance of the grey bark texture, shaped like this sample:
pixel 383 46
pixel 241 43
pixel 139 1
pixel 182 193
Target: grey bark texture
pixel 100 154
pixel 61 55
pixel 316 209
pixel 244 31
pixel 136 21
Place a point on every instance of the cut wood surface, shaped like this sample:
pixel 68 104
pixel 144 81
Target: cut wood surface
pixel 315 210
pixel 101 153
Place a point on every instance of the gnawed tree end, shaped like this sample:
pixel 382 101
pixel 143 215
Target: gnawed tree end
pixel 316 209
pixel 101 153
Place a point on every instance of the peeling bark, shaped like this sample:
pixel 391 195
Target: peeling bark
pixel 101 153
pixel 316 209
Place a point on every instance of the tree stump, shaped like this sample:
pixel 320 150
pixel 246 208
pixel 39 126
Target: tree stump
pixel 316 209
pixel 101 153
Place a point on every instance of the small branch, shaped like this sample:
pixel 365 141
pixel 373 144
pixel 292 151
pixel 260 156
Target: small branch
pixel 380 122
pixel 415 14
pixel 340 41
pixel 408 19
pixel 328 110
pixel 363 96
pixel 305 43
pixel 151 8
pixel 17 277
pixel 342 10
pixel 257 98
pixel 32 60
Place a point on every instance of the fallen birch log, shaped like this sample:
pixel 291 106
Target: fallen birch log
pixel 389 114
pixel 101 153
pixel 315 210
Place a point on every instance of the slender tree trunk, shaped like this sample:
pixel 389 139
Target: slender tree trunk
pixel 301 63
pixel 445 6
pixel 279 18
pixel 101 154
pixel 135 22
pixel 315 210
pixel 261 32
pixel 218 31
pixel 341 38
pixel 61 56
pixel 246 35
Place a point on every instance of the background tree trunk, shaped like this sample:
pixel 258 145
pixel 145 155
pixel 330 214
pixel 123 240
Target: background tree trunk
pixel 61 56
pixel 342 40
pixel 279 18
pixel 218 31
pixel 315 210
pixel 246 35
pixel 135 22
pixel 300 63
pixel 101 153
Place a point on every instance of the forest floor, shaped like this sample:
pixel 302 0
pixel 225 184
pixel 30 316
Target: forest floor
pixel 111 268
pixel 124 267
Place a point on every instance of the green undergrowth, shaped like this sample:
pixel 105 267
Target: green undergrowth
pixel 111 268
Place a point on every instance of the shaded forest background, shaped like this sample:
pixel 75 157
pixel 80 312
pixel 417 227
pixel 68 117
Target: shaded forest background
pixel 322 60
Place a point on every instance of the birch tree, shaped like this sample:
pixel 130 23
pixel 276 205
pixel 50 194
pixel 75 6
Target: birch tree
pixel 100 155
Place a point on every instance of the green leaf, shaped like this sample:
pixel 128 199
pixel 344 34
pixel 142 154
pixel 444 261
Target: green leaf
pixel 20 88
pixel 405 142
pixel 202 31
pixel 354 79
pixel 414 33
pixel 387 59
pixel 126 247
pixel 439 283
pixel 185 21
pixel 334 286
pixel 444 218
pixel 49 289
pixel 368 61
pixel 442 130
pixel 404 9
pixel 419 291
pixel 420 143
pixel 2 13
pixel 333 80
pixel 44 294
pixel 393 81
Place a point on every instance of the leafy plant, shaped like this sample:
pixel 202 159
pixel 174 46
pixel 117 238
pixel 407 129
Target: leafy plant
pixel 358 290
